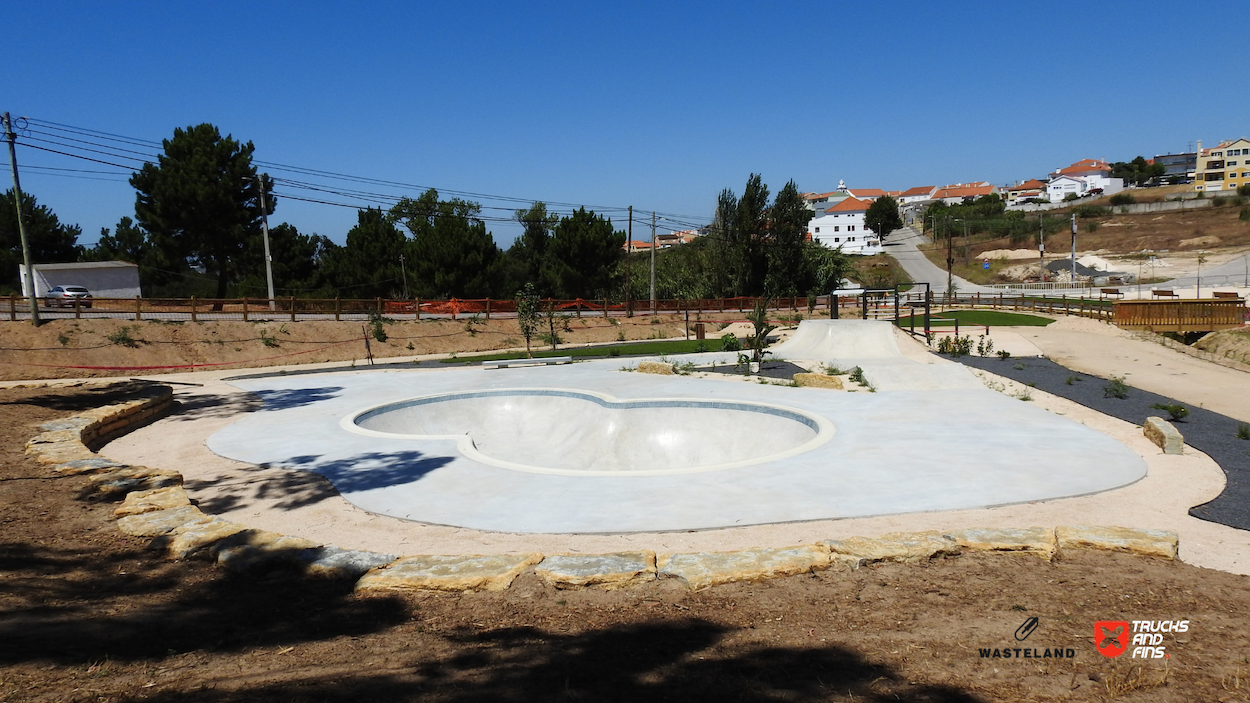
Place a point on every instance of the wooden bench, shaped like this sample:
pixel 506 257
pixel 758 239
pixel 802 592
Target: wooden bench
pixel 1164 294
pixel 502 363
pixel 1225 295
pixel 1111 293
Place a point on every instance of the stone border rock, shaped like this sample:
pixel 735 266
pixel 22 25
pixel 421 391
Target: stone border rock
pixel 156 506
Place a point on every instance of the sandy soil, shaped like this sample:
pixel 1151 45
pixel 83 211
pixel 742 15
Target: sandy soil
pixel 308 506
pixel 70 348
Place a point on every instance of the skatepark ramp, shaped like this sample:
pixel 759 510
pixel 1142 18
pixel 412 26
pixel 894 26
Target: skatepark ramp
pixel 872 346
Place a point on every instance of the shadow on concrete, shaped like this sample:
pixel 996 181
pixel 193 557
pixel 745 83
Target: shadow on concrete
pixel 207 405
pixel 302 480
pixel 680 661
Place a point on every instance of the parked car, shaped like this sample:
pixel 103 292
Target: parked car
pixel 63 296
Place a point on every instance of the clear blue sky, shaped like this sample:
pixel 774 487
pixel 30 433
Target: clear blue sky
pixel 657 106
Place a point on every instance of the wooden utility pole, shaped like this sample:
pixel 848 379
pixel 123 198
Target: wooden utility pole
pixel 629 249
pixel 653 301
pixel 21 225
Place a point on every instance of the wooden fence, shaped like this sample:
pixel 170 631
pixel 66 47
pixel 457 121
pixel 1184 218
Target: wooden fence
pixel 1180 315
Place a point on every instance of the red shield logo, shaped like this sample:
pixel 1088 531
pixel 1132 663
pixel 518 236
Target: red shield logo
pixel 1111 637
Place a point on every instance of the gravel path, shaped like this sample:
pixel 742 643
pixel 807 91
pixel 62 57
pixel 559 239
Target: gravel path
pixel 1209 432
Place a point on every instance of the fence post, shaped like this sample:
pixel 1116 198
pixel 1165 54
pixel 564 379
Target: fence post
pixel 605 308
pixel 488 309
pixel 12 307
pixel 77 308
pixel 138 308
pixel 292 308
pixel 417 307
pixel 245 309
pixel 378 301
pixel 579 308
pixel 338 308
pixel 193 309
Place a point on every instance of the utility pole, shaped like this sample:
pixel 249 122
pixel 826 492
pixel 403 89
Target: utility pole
pixel 21 226
pixel 653 301
pixel 264 224
pixel 950 263
pixel 1073 261
pixel 1041 246
pixel 403 272
pixel 629 249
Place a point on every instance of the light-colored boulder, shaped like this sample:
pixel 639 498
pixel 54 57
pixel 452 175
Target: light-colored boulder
pixel 333 562
pixel 449 573
pixel 611 571
pixel 141 502
pixel 161 522
pixel 94 465
pixel 133 478
pixel 1164 434
pixel 184 541
pixel 817 380
pixel 1155 543
pixel 1035 540
pixel 704 569
pixel 249 549
pixel 895 546
pixel 658 367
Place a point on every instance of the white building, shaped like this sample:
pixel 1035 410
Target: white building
pixel 842 226
pixel 105 279
pixel 1085 177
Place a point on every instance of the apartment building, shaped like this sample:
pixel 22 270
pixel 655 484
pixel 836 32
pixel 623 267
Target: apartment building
pixel 1223 167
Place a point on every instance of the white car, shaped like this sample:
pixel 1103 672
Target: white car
pixel 63 296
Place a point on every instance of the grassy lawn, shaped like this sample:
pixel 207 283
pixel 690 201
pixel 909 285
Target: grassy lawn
pixel 991 318
pixel 681 346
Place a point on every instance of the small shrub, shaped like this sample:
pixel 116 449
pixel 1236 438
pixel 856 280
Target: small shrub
pixel 1116 388
pixel 1091 226
pixel 267 339
pixel 64 340
pixel 1018 366
pixel 1070 197
pixel 831 370
pixel 375 325
pixel 613 321
pixel 1004 354
pixel 470 325
pixel 613 351
pixel 1175 410
pixel 1072 379
pixel 122 337
pixel 1219 201
pixel 1123 199
pixel 730 343
pixel 985 346
pixel 1243 431
pixel 620 336
pixel 1087 211
pixel 1244 216
pixel 552 338
pixel 1244 190
pixel 701 347
pixel 410 347
pixel 955 345
pixel 857 375
pixel 1024 394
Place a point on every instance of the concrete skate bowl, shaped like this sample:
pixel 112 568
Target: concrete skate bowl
pixel 576 433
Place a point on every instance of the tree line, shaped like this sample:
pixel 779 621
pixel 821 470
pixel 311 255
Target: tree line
pixel 197 230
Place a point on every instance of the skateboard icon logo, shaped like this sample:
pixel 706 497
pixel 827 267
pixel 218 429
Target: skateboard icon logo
pixel 1111 637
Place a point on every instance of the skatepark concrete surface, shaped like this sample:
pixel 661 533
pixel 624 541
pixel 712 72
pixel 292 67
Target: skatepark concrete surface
pixel 947 443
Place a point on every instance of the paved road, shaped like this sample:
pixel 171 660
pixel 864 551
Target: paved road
pixel 902 246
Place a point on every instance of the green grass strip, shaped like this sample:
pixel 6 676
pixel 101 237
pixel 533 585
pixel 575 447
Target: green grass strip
pixel 993 318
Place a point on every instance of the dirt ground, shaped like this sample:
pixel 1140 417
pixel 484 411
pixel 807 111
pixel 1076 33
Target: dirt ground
pixel 88 614
pixel 62 348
